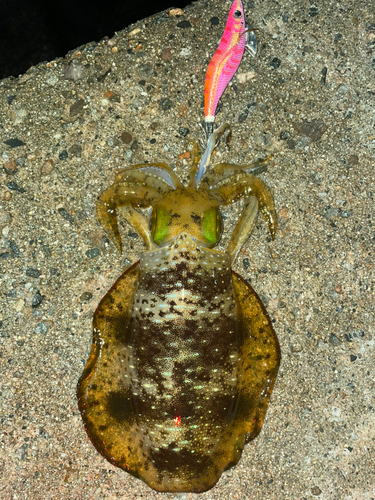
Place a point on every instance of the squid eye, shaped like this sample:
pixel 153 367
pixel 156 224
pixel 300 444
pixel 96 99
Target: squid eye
pixel 161 221
pixel 211 225
pixel 238 14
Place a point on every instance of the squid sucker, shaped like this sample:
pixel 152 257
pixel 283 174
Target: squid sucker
pixel 184 356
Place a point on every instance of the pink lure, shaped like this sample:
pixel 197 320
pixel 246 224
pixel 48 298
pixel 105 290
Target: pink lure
pixel 225 61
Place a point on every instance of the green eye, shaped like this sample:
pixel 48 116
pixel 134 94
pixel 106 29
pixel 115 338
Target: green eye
pixel 160 225
pixel 211 225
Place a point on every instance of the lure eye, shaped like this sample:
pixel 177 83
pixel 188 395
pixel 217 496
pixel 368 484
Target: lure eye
pixel 237 14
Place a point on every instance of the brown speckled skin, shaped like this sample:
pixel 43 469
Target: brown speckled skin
pixel 183 361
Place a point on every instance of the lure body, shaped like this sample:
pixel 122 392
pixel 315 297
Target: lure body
pixel 184 356
pixel 226 60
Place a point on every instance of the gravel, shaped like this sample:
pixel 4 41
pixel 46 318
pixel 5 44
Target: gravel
pixel 312 108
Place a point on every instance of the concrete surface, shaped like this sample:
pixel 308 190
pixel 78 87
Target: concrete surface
pixel 68 126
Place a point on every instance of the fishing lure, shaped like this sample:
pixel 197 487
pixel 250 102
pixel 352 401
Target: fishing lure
pixel 224 63
pixel 184 356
